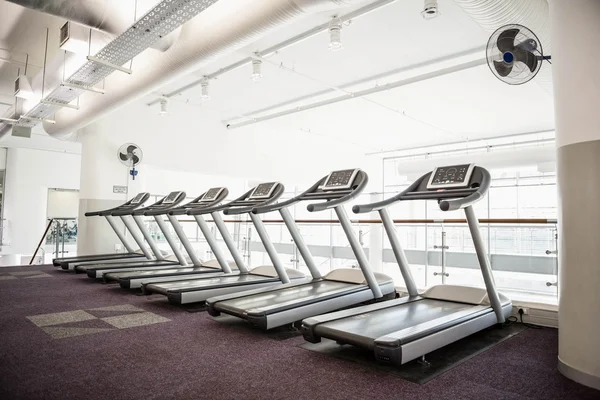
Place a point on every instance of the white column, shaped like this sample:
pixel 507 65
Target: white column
pixel 575 60
pixel 100 171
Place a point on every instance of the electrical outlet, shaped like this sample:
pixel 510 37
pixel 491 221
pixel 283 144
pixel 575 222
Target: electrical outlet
pixel 523 310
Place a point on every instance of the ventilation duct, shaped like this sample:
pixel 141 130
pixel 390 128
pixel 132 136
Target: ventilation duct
pixel 224 27
pixel 534 14
pixel 108 16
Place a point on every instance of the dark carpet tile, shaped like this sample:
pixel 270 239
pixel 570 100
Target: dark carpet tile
pixel 193 357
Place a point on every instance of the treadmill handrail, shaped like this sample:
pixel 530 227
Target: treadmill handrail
pixel 126 205
pixel 140 211
pixel 161 205
pixel 192 204
pixel 278 206
pixel 459 198
pixel 455 204
pixel 236 209
pixel 220 207
pixel 362 179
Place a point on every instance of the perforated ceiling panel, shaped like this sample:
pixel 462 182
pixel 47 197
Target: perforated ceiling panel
pixel 155 24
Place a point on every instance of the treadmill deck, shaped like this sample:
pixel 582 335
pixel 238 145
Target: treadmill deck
pixel 200 284
pixel 401 322
pixel 286 298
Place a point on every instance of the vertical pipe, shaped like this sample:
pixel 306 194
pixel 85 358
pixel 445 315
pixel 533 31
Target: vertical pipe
pixel 212 243
pixel 266 241
pixel 184 240
pixel 358 251
pixel 172 243
pixel 56 233
pixel 403 264
pixel 484 263
pixel 239 260
pixel 300 244
pixel 146 233
pixel 443 256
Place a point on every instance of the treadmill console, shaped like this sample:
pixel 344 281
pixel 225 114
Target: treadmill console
pixel 212 194
pixel 263 191
pixel 342 179
pixel 170 199
pixel 138 198
pixel 453 176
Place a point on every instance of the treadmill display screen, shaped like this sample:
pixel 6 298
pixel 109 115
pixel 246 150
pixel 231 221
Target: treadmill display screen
pixel 211 194
pixel 170 199
pixel 342 179
pixel 451 176
pixel 263 191
pixel 138 198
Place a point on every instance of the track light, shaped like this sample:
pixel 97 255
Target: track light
pixel 256 70
pixel 163 107
pixel 335 35
pixel 430 9
pixel 205 96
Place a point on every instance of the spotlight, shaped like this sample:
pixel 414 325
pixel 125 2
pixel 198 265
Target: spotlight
pixel 163 107
pixel 256 70
pixel 204 85
pixel 430 9
pixel 335 35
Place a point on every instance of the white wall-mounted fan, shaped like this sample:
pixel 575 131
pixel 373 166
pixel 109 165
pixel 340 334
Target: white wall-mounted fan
pixel 130 155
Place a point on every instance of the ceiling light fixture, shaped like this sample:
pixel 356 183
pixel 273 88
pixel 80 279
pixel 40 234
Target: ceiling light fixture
pixel 256 70
pixel 163 107
pixel 430 9
pixel 205 96
pixel 335 34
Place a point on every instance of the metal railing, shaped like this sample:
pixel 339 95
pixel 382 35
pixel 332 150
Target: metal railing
pixel 522 251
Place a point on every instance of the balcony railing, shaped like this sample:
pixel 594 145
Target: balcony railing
pixel 522 251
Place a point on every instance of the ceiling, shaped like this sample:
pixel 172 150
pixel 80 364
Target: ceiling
pixel 385 43
pixel 389 44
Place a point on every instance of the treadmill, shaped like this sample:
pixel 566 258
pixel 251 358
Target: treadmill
pixel 68 263
pixel 166 203
pixel 200 289
pixel 340 288
pixel 404 329
pixel 206 202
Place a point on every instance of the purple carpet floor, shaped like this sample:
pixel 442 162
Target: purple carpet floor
pixel 66 337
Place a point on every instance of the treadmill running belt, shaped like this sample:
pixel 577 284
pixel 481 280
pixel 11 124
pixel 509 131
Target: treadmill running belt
pixel 208 283
pixel 283 299
pixel 158 273
pixel 141 264
pixel 362 329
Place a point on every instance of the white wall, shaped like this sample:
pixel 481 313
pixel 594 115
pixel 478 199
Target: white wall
pixel 189 139
pixel 162 181
pixel 29 174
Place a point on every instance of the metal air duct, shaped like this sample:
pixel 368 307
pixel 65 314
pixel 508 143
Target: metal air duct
pixel 224 27
pixel 109 16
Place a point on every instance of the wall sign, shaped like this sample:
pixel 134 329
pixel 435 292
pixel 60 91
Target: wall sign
pixel 119 189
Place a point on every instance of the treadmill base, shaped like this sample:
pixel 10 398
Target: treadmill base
pixel 440 361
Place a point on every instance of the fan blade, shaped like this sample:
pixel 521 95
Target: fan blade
pixel 130 149
pixel 502 68
pixel 526 57
pixel 136 160
pixel 124 157
pixel 506 40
